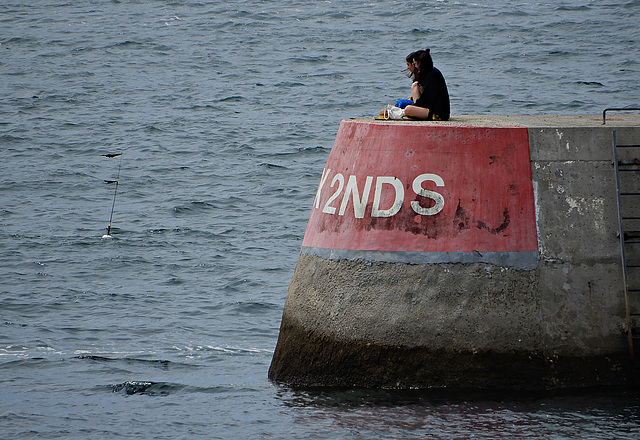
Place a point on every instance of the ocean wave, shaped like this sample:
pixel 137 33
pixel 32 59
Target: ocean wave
pixel 153 388
pixel 146 388
pixel 272 166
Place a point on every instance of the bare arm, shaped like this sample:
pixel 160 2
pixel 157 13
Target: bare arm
pixel 416 91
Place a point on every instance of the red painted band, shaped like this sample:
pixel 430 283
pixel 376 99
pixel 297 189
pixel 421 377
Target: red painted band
pixel 425 188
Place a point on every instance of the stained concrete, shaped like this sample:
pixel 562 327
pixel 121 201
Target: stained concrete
pixel 479 325
pixel 614 120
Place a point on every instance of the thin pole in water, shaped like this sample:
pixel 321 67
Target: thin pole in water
pixel 115 192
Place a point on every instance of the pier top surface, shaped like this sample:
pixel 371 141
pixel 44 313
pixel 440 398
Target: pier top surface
pixel 614 119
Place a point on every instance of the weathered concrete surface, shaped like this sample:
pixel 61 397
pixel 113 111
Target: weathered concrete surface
pixel 614 120
pixel 479 325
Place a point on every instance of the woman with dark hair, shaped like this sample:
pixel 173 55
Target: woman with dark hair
pixel 429 90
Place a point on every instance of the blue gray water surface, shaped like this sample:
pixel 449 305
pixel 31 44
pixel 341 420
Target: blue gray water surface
pixel 225 113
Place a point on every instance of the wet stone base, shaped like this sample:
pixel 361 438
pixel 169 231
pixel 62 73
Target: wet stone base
pixel 306 359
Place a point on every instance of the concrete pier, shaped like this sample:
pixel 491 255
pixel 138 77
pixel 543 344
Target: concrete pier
pixel 481 252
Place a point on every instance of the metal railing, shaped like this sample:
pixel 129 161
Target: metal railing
pixel 604 113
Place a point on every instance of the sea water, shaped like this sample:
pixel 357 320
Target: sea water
pixel 224 114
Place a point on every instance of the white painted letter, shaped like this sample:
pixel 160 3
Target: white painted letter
pixel 323 179
pixel 417 188
pixel 397 203
pixel 340 179
pixel 359 205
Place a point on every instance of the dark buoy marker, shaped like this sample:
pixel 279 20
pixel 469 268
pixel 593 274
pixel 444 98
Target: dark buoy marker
pixel 115 191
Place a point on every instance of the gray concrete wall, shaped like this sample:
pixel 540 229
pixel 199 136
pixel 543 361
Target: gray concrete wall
pixel 580 273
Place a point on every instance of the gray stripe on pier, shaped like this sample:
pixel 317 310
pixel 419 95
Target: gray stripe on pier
pixel 524 260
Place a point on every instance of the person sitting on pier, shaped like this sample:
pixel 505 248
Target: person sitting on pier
pixel 429 98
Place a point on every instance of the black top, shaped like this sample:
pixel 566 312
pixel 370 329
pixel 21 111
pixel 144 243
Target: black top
pixel 435 95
